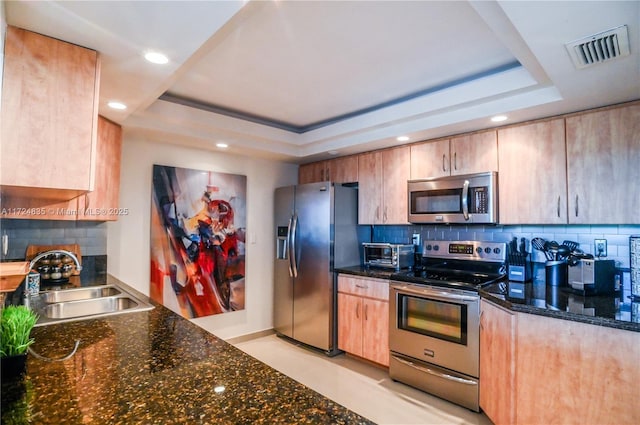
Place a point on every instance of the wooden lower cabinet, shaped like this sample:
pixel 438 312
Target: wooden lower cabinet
pixel 560 371
pixel 363 318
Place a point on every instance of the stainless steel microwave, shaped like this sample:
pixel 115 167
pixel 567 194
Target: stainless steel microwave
pixel 470 198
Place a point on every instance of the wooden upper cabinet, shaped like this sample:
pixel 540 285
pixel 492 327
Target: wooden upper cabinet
pixel 344 169
pixel 474 153
pixel 603 157
pixel 382 186
pixel 102 203
pixel 430 159
pixel 313 172
pixel 466 154
pixel 339 170
pixel 370 188
pixel 532 177
pixel 49 117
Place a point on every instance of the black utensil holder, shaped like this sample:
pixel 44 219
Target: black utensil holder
pixel 556 273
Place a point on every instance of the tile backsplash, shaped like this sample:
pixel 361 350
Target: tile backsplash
pixel 617 236
pixel 90 235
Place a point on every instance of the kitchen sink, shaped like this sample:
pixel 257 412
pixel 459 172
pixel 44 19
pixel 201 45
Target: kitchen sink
pixel 90 292
pixel 93 302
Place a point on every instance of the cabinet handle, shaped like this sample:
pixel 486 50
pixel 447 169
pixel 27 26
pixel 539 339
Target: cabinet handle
pixel 577 205
pixel 443 166
pixel 384 216
pixel 377 213
pixel 455 161
pixel 365 311
pixel 328 175
pixel 558 207
pixel 358 311
pixel 361 286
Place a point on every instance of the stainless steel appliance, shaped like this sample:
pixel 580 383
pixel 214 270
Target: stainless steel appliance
pixel 388 255
pixel 471 198
pixel 434 318
pixel 593 276
pixel 316 230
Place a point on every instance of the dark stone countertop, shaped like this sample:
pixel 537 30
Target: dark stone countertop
pixel 155 367
pixel 614 310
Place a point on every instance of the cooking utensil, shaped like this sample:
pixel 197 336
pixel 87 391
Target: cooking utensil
pixel 540 244
pixel 552 248
pixel 571 245
pixel 563 252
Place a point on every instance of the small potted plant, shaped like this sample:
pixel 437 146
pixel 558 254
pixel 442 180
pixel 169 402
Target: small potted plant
pixel 16 323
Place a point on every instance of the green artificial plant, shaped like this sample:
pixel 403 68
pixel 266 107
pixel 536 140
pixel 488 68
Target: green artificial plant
pixel 16 323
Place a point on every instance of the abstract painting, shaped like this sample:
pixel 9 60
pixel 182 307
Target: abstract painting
pixel 198 227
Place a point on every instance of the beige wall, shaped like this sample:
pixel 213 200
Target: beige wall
pixel 128 238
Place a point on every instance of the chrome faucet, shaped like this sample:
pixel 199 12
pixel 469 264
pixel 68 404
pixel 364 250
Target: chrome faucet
pixel 27 298
pixel 55 251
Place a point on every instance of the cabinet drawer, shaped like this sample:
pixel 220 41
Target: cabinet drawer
pixel 364 287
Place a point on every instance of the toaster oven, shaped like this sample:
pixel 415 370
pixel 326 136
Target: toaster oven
pixel 388 255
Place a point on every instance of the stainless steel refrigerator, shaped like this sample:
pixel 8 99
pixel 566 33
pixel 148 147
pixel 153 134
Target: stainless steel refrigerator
pixel 316 231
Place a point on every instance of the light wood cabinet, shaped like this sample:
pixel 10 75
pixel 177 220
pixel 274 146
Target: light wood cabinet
pixel 497 363
pixel 363 317
pixel 382 186
pixel 102 203
pixel 465 154
pixel 603 157
pixel 339 170
pixel 561 371
pixel 49 117
pixel 532 177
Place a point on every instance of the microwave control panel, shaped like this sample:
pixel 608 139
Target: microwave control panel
pixel 478 200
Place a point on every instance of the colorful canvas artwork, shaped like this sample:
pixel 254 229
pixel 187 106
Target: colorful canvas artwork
pixel 198 227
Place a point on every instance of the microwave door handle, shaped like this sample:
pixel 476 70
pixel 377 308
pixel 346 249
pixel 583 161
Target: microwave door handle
pixel 292 246
pixel 465 200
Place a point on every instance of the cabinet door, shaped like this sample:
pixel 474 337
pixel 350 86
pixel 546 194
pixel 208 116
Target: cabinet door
pixel 497 363
pixel 350 324
pixel 370 188
pixel 344 169
pixel 313 173
pixel 561 364
pixel 603 156
pixel 375 338
pixel 102 203
pixel 430 159
pixel 474 153
pixel 395 173
pixel 532 177
pixel 49 115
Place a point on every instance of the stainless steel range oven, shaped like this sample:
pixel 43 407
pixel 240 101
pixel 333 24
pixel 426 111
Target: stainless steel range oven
pixel 434 335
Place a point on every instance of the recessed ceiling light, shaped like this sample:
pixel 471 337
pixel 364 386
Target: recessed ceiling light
pixel 499 118
pixel 402 138
pixel 156 57
pixel 222 145
pixel 116 105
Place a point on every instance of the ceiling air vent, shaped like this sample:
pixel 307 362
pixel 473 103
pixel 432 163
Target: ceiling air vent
pixel 600 47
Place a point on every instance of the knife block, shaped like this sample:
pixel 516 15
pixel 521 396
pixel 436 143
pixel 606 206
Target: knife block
pixel 520 272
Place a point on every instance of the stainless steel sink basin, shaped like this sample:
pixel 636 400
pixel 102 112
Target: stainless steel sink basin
pixel 73 309
pixel 92 302
pixel 90 292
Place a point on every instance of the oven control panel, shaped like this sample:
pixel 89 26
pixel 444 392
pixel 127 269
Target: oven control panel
pixel 465 250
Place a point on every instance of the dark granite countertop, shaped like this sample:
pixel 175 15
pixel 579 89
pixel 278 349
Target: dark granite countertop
pixel 155 367
pixel 535 297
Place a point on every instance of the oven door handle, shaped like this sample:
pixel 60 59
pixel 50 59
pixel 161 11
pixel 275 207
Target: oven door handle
pixel 426 292
pixel 435 373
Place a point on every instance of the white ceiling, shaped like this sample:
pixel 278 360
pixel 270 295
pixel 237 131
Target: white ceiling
pixel 296 79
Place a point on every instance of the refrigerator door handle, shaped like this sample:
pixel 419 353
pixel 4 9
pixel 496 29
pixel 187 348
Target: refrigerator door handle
pixel 292 247
pixel 288 246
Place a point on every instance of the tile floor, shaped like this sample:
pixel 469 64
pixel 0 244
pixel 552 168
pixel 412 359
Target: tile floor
pixel 357 385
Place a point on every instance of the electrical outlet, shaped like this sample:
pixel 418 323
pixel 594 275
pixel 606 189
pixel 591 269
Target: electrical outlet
pixel 600 248
pixel 416 239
